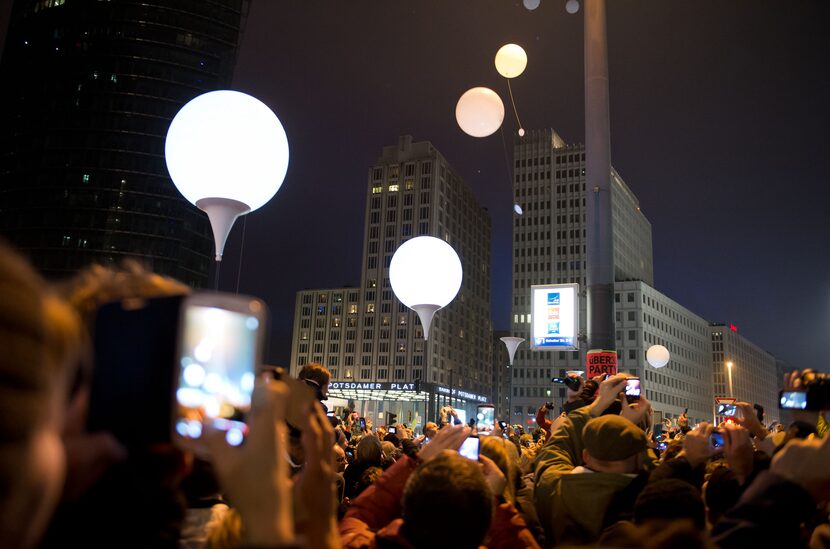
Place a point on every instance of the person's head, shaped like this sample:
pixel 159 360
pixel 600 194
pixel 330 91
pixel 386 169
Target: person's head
pixel 430 429
pixel 368 477
pixel 720 492
pixel 502 452
pixel 458 484
pixel 612 445
pixel 668 500
pixel 339 458
pixel 369 450
pixel 39 338
pixel 317 377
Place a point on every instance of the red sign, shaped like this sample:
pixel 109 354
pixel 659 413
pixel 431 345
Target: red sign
pixel 599 362
pixel 733 327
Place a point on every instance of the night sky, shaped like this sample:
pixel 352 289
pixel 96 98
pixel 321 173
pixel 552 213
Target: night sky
pixel 719 114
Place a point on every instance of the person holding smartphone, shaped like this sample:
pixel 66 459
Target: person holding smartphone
pixel 317 377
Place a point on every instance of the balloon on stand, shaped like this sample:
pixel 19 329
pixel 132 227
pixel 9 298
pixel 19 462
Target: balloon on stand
pixel 227 153
pixel 531 4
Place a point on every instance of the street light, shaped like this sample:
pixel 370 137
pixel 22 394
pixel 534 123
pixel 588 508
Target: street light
pixel 512 343
pixel 227 153
pixel 729 372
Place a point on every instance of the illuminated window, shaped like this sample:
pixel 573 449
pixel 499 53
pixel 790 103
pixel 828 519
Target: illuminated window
pixel 394 188
pixel 376 190
pixel 409 184
pixel 370 307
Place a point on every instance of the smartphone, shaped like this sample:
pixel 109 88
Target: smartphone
pixel 503 425
pixel 727 410
pixel 716 440
pixel 486 416
pixel 662 446
pixel 220 344
pixel 793 400
pixel 632 389
pixel 393 430
pixel 132 387
pixel 362 423
pixel 469 448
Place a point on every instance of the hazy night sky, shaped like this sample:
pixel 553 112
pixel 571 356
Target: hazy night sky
pixel 718 119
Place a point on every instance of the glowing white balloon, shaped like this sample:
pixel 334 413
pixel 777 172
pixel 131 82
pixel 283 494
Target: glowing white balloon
pixel 518 209
pixel 426 275
pixel 227 153
pixel 511 60
pixel 572 6
pixel 531 4
pixel 658 356
pixel 521 132
pixel 479 112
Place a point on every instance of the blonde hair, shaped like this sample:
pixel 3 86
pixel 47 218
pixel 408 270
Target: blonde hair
pixel 499 450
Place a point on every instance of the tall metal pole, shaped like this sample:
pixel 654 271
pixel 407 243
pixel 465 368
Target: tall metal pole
pixel 599 231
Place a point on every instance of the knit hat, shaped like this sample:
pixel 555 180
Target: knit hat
pixel 613 438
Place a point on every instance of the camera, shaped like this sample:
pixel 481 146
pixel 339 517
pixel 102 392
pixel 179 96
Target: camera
pixel 571 382
pixel 549 405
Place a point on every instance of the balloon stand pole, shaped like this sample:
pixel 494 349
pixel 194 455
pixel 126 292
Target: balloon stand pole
pixel 425 314
pixel 222 213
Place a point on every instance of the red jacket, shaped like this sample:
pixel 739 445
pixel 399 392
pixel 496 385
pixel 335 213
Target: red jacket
pixel 376 514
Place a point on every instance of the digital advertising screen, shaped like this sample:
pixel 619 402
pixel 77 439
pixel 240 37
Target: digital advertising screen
pixel 555 316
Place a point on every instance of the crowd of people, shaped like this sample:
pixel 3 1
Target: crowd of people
pixel 598 475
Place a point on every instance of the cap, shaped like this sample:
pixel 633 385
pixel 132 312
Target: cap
pixel 613 438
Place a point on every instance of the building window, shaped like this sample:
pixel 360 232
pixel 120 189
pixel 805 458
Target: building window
pixel 394 188
pixel 376 190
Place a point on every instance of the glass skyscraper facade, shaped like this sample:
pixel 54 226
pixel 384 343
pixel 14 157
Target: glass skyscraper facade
pixel 89 90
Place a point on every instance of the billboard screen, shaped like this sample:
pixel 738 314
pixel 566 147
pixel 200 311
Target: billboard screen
pixel 555 317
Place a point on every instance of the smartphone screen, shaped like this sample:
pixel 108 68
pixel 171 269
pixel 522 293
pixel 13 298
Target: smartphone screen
pixel 393 430
pixel 717 440
pixel 632 389
pixel 469 449
pixel 792 400
pixel 486 416
pixel 727 410
pixel 662 446
pixel 218 352
pixel 362 423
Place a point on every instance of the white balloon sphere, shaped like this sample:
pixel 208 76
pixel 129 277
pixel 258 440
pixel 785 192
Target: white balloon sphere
pixel 511 60
pixel 572 6
pixel 479 112
pixel 658 356
pixel 531 4
pixel 518 209
pixel 227 144
pixel 425 271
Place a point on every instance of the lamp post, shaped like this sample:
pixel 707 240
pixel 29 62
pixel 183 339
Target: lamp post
pixel 599 228
pixel 227 153
pixel 512 343
pixel 729 373
pixel 425 274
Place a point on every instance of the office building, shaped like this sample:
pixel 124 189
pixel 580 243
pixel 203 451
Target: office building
pixel 89 91
pixel 549 247
pixel 742 370
pixel 411 191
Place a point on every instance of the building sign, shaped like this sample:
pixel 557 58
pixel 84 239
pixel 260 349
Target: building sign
pixel 338 386
pixel 555 316
pixel 599 362
pixel 371 386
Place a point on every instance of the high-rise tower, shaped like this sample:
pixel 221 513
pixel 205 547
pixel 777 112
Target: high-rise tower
pixel 89 90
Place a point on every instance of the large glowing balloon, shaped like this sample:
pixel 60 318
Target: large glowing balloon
pixel 658 356
pixel 227 153
pixel 572 6
pixel 531 4
pixel 511 60
pixel 479 112
pixel 425 274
